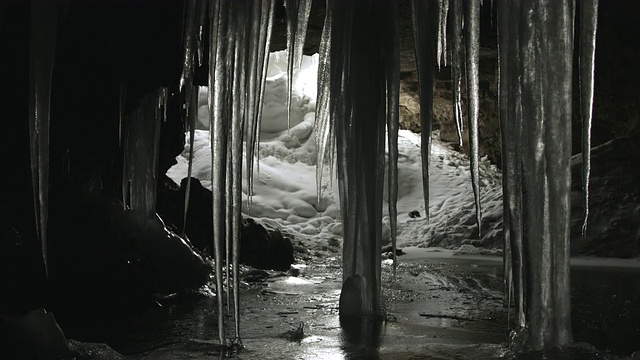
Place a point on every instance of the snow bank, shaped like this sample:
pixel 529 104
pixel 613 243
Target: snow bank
pixel 285 186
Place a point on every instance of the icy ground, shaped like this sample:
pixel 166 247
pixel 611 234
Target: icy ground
pixel 285 186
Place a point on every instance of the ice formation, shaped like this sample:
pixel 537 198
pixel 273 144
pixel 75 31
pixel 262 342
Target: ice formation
pixel 44 24
pixel 588 25
pixel 141 148
pixel 358 96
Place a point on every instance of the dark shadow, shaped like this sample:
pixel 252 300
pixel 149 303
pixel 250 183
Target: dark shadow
pixel 360 337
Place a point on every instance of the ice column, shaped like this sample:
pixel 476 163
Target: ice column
pixel 141 142
pixel 535 60
pixel 358 63
pixel 297 19
pixel 42 47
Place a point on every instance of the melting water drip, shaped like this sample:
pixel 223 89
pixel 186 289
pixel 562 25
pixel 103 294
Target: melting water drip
pixel 42 47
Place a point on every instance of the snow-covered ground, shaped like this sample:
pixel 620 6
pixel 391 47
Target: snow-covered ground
pixel 285 186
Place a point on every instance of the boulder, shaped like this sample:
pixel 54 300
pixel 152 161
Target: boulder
pixel 261 246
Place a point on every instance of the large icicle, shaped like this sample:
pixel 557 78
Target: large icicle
pixel 323 125
pixel 297 19
pixel 536 47
pixel 358 107
pixel 588 26
pixel 443 11
pixel 392 63
pixel 258 62
pixel 192 49
pixel 218 133
pixel 472 37
pixel 457 69
pixel 424 32
pixel 239 35
pixel 42 47
pixel 141 148
pixel 510 95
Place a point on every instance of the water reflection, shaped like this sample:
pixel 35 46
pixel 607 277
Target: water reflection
pixel 360 337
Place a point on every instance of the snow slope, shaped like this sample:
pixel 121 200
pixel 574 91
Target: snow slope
pixel 285 186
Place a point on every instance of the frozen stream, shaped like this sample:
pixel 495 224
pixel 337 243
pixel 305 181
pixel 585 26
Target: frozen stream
pixel 441 307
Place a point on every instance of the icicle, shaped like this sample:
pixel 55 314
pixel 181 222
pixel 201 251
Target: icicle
pixel 189 33
pixel 472 37
pixel 218 133
pixel 357 105
pixel 42 47
pixel 297 19
pixel 443 10
pixel 536 51
pixel 192 39
pixel 202 15
pixel 192 115
pixel 141 148
pixel 588 26
pixel 510 123
pixel 457 62
pixel 260 34
pixel 392 62
pixel 424 38
pixel 240 33
pixel 234 178
pixel 322 124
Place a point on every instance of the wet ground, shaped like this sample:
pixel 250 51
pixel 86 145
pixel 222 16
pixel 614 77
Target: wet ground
pixel 439 307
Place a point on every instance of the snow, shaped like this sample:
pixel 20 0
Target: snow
pixel 285 191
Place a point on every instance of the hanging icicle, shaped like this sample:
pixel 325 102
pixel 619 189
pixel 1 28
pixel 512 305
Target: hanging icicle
pixel 297 19
pixel 424 34
pixel 472 37
pixel 392 63
pixel 258 64
pixel 457 68
pixel 588 25
pixel 323 127
pixel 192 48
pixel 536 62
pixel 42 47
pixel 443 11
pixel 510 95
pixel 237 70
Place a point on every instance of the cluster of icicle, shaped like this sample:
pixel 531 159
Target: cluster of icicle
pixel 358 90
